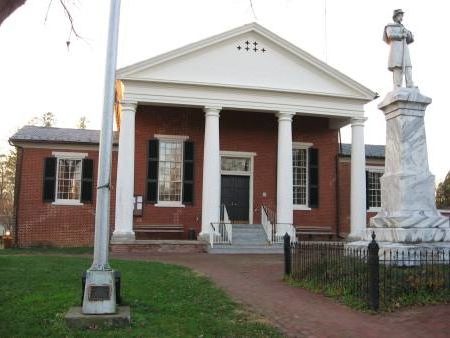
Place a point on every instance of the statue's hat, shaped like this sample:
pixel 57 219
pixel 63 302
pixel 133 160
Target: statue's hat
pixel 396 12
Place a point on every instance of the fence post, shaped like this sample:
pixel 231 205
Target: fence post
pixel 374 276
pixel 287 255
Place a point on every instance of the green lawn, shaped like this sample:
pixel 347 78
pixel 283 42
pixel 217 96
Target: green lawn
pixel 165 300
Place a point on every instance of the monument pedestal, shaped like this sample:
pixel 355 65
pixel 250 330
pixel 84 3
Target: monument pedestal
pixel 408 210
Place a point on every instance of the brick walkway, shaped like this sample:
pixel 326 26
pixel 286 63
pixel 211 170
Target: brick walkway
pixel 256 281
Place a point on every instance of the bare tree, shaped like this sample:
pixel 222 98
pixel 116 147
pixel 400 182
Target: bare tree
pixel 45 120
pixel 7 180
pixel 82 122
pixel 443 193
pixel 7 7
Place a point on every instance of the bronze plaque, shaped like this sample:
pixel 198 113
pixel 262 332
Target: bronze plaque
pixel 99 293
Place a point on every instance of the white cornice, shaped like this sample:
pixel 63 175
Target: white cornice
pixel 233 86
pixel 246 99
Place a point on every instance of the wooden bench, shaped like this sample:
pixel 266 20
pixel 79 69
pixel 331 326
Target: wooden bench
pixel 156 231
pixel 311 231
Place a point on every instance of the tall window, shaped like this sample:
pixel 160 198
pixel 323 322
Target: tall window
pixel 374 188
pixel 300 176
pixel 68 187
pixel 170 178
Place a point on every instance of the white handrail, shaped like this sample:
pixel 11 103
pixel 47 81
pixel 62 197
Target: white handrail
pixel 212 231
pixel 267 225
pixel 228 225
pixel 291 231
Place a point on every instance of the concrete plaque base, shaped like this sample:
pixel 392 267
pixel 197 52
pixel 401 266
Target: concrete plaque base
pixel 99 292
pixel 76 319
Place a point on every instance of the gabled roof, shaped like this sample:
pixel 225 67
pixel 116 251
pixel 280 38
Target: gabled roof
pixel 372 150
pixel 206 62
pixel 37 134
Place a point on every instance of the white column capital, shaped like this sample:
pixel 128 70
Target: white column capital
pixel 128 105
pixel 285 116
pixel 212 110
pixel 358 121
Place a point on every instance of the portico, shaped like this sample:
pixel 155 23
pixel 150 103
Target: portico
pixel 282 84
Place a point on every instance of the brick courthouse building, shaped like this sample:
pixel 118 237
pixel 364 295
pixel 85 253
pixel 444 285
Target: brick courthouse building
pixel 244 120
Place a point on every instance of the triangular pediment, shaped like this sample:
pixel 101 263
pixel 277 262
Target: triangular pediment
pixel 247 57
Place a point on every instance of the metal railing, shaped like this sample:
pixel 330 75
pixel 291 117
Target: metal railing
pixel 272 227
pixel 367 276
pixel 221 232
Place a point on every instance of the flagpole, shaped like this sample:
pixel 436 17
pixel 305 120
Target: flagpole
pixel 99 294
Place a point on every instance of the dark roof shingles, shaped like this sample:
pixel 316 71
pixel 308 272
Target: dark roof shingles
pixel 372 150
pixel 58 135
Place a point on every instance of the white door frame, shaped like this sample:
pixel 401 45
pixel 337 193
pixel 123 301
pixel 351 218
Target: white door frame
pixel 242 154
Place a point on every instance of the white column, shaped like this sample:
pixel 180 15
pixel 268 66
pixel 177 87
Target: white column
pixel 358 180
pixel 284 173
pixel 211 170
pixel 125 174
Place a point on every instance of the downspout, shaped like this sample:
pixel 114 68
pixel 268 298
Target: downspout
pixel 17 184
pixel 338 204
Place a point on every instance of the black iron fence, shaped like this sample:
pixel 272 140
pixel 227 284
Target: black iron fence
pixel 368 277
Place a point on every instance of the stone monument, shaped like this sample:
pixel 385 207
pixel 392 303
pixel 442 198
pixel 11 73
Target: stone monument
pixel 408 213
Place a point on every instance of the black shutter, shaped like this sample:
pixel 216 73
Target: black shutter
pixel 367 190
pixel 313 172
pixel 87 179
pixel 49 179
pixel 152 171
pixel 188 173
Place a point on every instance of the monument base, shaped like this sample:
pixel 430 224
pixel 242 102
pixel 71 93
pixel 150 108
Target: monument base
pixel 76 319
pixel 406 254
pixel 409 235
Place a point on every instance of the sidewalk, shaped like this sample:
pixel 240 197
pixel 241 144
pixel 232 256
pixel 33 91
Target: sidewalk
pixel 256 281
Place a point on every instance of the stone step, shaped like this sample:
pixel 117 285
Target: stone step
pixel 247 226
pixel 246 249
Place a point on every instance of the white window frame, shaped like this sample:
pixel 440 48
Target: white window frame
pixel 374 169
pixel 306 146
pixel 67 156
pixel 171 138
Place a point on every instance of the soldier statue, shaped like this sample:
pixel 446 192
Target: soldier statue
pixel 398 37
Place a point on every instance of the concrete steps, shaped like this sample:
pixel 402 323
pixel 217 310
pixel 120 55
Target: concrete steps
pixel 247 239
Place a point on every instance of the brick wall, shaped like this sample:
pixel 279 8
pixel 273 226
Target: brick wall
pixel 239 131
pixel 344 193
pixel 43 223
pixel 152 120
pixel 315 130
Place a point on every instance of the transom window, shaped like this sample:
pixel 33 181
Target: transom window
pixel 170 173
pixel 68 186
pixel 300 175
pixel 235 163
pixel 374 188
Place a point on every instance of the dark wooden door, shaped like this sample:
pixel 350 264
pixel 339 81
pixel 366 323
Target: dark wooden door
pixel 235 193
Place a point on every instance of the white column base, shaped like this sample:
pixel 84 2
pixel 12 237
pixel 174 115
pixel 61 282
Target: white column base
pixel 123 237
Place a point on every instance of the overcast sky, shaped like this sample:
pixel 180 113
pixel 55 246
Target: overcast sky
pixel 38 73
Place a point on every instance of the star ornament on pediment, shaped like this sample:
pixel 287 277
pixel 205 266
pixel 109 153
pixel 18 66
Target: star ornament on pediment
pixel 249 46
